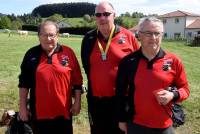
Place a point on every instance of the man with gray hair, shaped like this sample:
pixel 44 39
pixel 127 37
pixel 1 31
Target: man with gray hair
pixel 144 78
pixel 50 72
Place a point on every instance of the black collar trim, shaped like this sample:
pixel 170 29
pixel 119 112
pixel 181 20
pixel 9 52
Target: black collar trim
pixel 159 55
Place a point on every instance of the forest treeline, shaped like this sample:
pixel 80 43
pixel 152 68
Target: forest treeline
pixel 67 10
pixel 78 15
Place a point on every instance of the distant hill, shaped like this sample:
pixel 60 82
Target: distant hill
pixel 2 14
pixel 69 10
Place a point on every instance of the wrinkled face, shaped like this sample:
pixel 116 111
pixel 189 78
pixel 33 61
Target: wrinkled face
pixel 151 36
pixel 104 16
pixel 48 37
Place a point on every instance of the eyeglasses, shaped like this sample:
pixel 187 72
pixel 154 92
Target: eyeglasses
pixel 150 34
pixel 105 14
pixel 49 36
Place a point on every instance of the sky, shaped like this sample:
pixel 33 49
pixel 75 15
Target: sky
pixel 19 7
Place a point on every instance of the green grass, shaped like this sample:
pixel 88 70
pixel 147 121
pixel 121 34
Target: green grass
pixel 78 22
pixel 190 57
pixel 12 50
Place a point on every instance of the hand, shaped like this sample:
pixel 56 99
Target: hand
pixel 76 107
pixel 164 97
pixel 123 126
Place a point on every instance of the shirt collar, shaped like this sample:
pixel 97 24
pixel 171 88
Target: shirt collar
pixel 159 55
pixel 150 63
pixel 117 30
pixel 57 49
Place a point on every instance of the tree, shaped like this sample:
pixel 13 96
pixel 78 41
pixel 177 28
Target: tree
pixel 17 24
pixel 87 18
pixel 119 20
pixel 127 14
pixel 56 17
pixel 5 22
pixel 127 24
pixel 12 17
pixel 30 19
pixel 155 15
pixel 70 10
pixel 137 15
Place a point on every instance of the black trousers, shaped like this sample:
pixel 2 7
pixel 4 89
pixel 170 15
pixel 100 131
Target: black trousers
pixel 59 125
pixel 102 116
pixel 138 129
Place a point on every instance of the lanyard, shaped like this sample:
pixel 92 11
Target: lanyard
pixel 104 53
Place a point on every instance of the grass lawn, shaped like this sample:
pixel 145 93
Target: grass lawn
pixel 12 50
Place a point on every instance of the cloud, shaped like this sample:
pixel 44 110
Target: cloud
pixel 114 2
pixel 188 2
pixel 118 4
pixel 121 6
pixel 184 5
pixel 64 1
pixel 97 1
pixel 128 2
pixel 161 7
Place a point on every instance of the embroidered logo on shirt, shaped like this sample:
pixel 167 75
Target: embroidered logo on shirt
pixel 122 39
pixel 64 60
pixel 167 64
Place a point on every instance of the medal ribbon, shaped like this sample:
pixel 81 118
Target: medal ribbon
pixel 108 43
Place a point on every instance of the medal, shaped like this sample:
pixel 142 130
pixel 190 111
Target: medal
pixel 103 56
pixel 104 52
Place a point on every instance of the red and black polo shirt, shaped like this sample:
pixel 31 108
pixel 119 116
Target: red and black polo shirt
pixel 55 77
pixel 163 71
pixel 103 72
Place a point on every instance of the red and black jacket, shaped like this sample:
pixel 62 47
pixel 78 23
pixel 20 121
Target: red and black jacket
pixel 27 77
pixel 125 84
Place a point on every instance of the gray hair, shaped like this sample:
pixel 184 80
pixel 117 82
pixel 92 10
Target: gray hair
pixel 48 22
pixel 151 19
pixel 105 2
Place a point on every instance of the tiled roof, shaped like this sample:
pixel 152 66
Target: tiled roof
pixel 178 13
pixel 194 25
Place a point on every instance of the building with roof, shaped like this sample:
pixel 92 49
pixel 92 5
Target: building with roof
pixel 63 24
pixel 180 24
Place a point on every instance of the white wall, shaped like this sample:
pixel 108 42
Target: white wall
pixel 171 27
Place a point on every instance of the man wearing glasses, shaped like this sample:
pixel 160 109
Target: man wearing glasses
pixel 102 49
pixel 52 74
pixel 147 75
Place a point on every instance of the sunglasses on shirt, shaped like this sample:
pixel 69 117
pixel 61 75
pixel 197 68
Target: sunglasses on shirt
pixel 105 14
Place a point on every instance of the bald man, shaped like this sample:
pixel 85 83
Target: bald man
pixel 101 51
